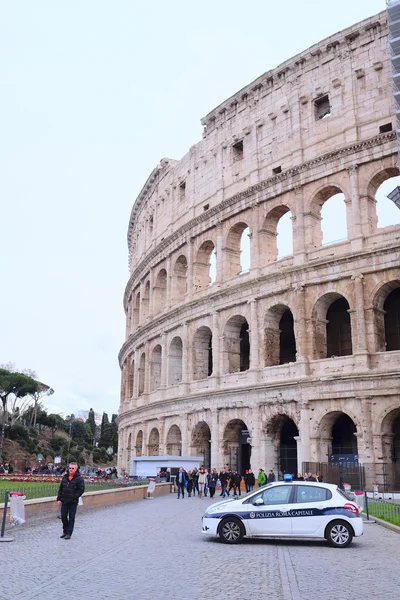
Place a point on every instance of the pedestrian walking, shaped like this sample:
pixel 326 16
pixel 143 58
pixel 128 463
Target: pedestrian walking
pixel 271 477
pixel 261 479
pixel 71 489
pixel 181 481
pixel 202 481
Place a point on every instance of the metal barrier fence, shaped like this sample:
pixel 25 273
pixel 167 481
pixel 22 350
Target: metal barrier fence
pixel 359 476
pixel 383 509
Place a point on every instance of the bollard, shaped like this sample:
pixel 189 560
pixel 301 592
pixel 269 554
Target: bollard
pixel 5 538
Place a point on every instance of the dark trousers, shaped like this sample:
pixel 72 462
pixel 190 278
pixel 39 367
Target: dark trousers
pixel 181 488
pixel 68 512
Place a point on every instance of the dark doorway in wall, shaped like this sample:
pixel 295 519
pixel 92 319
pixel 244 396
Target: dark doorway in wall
pixel 287 342
pixel 288 447
pixel 392 320
pixel 343 439
pixel 244 347
pixel 338 329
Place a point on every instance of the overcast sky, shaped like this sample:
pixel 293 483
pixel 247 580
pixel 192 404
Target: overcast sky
pixel 93 94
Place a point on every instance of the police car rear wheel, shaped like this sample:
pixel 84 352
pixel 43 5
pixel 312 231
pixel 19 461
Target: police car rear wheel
pixel 339 534
pixel 231 531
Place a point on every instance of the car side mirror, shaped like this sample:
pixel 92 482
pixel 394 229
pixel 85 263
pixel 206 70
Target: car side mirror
pixel 258 502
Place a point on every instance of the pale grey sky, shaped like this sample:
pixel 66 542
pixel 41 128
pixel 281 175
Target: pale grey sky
pixel 93 94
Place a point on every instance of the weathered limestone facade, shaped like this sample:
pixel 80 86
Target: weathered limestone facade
pixel 295 350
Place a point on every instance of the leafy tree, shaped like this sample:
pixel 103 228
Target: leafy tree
pixel 105 439
pixel 78 430
pixel 91 425
pixel 13 385
pixel 114 431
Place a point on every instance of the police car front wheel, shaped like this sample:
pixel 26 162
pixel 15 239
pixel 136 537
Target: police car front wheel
pixel 231 531
pixel 339 534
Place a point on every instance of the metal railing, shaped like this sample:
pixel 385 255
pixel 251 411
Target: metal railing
pixel 383 509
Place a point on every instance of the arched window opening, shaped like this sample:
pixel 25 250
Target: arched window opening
pixel 179 288
pixel 279 338
pixel 334 223
pixel 284 236
pixel 201 443
pixel 202 273
pixel 160 291
pixel 136 312
pixel 155 368
pixel 288 447
pixel 145 302
pixel 236 446
pixel 386 211
pixel 175 361
pixel 202 353
pixel 142 370
pixel 212 273
pixel 392 320
pixel 131 380
pixel 396 442
pixel 236 346
pixel 338 329
pixel 343 439
pixel 244 347
pixel 238 238
pixel 139 443
pixel 174 441
pixel 154 443
pixel 245 251
pixel 287 341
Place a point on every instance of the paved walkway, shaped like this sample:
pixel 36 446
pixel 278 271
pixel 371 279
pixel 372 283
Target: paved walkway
pixel 154 550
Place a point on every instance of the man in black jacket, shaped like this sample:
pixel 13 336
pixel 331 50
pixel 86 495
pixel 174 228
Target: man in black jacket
pixel 71 489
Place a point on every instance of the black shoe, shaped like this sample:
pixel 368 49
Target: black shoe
pixel 63 535
pixel 67 537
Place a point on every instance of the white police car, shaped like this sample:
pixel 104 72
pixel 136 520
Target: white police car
pixel 299 509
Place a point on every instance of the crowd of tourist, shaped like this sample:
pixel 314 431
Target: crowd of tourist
pixel 205 482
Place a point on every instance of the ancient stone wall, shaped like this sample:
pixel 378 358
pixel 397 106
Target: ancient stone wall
pixel 291 349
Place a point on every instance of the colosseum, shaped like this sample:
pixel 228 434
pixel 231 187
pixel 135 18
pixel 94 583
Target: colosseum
pixel 242 352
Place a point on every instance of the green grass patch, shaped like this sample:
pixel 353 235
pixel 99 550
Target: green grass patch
pixel 385 511
pixel 45 490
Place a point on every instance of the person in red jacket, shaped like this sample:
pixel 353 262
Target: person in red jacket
pixel 71 489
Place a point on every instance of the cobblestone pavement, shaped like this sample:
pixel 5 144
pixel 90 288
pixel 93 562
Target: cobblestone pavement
pixel 154 550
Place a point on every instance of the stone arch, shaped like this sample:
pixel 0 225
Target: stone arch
pixel 232 250
pixel 131 378
pixel 129 454
pixel 145 302
pixel 269 233
pixel 332 326
pixel 155 368
pixel 279 336
pixel 154 443
pixel 283 432
pixel 175 356
pixel 160 291
pixel 382 211
pixel 139 443
pixel 179 287
pixel 390 435
pixel 202 266
pixel 174 441
pixel 142 373
pixel 337 431
pixel 317 202
pixel 386 309
pixel 236 345
pixel 202 353
pixel 236 446
pixel 136 311
pixel 201 442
